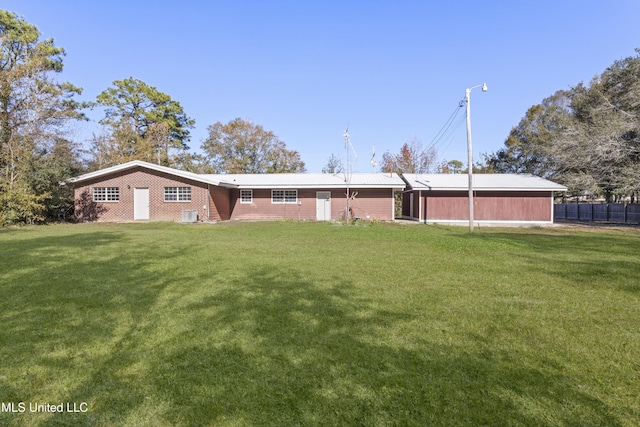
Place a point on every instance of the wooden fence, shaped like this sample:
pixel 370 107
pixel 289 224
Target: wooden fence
pixel 607 212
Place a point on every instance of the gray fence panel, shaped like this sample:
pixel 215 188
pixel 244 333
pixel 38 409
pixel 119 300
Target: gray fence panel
pixel 559 211
pixel 572 211
pixel 617 212
pixel 633 213
pixel 607 212
pixel 600 212
pixel 584 212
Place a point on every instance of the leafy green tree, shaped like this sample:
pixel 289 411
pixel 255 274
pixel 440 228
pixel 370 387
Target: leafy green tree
pixel 143 123
pixel 528 148
pixel 54 165
pixel 412 158
pixel 243 147
pixel 20 205
pixel 455 166
pixel 587 138
pixel 451 166
pixel 333 166
pixel 600 145
pixel 191 162
pixel 34 110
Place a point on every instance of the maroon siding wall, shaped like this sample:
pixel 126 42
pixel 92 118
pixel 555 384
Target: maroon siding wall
pixel 159 210
pixel 488 205
pixel 406 204
pixel 416 205
pixel 368 204
pixel 411 204
pixel 443 205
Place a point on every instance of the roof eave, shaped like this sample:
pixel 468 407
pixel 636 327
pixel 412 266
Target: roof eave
pixel 138 163
pixel 320 186
pixel 486 189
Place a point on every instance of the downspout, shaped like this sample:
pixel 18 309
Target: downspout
pixel 411 206
pixel 426 208
pixel 420 206
pixel 393 204
pixel 209 203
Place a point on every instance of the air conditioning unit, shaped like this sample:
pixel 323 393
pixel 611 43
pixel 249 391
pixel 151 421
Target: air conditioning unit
pixel 189 216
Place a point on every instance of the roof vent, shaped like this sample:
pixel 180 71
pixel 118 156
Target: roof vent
pixel 189 216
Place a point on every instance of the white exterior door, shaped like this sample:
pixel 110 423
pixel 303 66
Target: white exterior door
pixel 140 203
pixel 323 206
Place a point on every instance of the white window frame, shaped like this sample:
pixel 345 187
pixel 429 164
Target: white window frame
pixel 246 196
pixel 106 194
pixel 181 194
pixel 286 197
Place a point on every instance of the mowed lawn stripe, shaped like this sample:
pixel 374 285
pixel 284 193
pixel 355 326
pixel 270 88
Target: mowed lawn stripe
pixel 287 323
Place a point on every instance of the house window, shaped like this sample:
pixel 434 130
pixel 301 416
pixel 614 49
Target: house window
pixel 284 196
pixel 177 194
pixel 246 196
pixel 106 194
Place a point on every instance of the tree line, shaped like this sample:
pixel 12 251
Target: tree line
pixel 38 151
pixel 586 138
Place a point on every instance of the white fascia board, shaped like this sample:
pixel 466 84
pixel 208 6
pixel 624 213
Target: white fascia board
pixel 228 185
pixel 418 185
pixel 475 188
pixel 319 186
pixel 139 163
pixel 481 182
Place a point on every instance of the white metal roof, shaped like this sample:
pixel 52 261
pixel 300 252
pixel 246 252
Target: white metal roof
pixel 495 182
pixel 281 180
pixel 140 163
pixel 310 180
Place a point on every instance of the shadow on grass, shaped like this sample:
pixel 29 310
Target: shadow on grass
pixel 70 315
pixel 283 350
pixel 151 345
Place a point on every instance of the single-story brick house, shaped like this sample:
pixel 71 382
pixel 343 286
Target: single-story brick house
pixel 498 198
pixel 139 190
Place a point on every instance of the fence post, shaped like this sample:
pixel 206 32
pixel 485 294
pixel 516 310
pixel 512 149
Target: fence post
pixel 625 213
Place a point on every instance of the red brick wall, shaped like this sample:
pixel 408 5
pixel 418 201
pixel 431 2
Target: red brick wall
pixel 217 203
pixel 373 204
pixel 262 208
pixel 220 203
pixel 368 204
pixel 159 210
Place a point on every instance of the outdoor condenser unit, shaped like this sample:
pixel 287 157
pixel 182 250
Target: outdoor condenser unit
pixel 189 216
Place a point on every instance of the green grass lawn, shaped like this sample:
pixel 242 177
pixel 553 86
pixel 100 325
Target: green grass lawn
pixel 314 324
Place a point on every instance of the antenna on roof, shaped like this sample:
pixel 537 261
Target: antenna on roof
pixel 347 173
pixel 347 144
pixel 374 162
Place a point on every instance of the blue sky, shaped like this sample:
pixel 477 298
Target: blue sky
pixel 393 71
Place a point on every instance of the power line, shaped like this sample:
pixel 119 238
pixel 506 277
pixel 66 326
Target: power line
pixel 444 129
pixel 454 132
